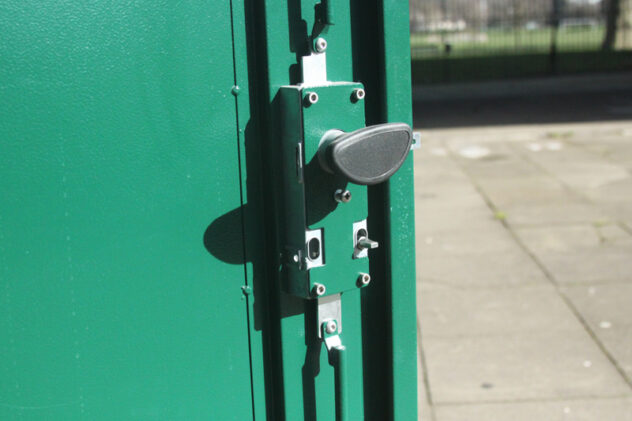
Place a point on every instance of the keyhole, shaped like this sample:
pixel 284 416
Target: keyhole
pixel 313 248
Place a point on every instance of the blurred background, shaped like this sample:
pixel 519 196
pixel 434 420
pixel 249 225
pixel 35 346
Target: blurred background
pixel 467 40
pixel 524 208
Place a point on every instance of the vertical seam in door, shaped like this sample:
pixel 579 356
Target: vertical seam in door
pixel 241 198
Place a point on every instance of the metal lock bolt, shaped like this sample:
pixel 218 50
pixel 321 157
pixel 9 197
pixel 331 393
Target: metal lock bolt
pixel 342 196
pixel 358 95
pixel 311 98
pixel 363 242
pixel 364 279
pixel 319 290
pixel 331 327
pixel 320 45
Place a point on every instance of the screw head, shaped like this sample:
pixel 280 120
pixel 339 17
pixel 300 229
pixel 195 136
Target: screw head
pixel 358 94
pixel 320 45
pixel 319 290
pixel 342 196
pixel 331 327
pixel 311 98
pixel 364 279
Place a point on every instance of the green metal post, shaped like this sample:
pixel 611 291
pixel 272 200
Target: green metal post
pixel 342 393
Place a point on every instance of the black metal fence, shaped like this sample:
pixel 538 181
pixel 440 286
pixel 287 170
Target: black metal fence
pixel 550 29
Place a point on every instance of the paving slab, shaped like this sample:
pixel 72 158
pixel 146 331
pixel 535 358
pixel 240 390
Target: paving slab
pixel 581 173
pixel 513 267
pixel 499 340
pixel 526 191
pixel 614 197
pixel 431 215
pixel 506 167
pixel 617 409
pixel 616 148
pixel 618 342
pixel 607 308
pixel 603 306
pixel 522 366
pixel 546 214
pixel 492 238
pixel 449 311
pixel 579 254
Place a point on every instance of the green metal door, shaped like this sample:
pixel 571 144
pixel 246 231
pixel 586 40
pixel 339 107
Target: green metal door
pixel 182 234
pixel 118 149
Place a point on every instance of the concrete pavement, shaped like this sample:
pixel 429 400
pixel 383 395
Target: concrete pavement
pixel 524 259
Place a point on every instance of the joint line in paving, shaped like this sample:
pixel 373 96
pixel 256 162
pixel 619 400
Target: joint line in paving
pixel 424 369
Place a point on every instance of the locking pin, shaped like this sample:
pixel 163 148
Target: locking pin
pixel 365 243
pixel 361 241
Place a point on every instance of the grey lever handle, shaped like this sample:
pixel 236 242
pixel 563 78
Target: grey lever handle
pixel 366 156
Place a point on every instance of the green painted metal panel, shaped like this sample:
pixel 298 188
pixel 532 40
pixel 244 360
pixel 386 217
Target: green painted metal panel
pixel 141 249
pixel 119 149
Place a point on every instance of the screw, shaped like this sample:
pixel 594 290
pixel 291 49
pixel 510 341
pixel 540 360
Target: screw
pixel 311 98
pixel 320 45
pixel 342 196
pixel 331 327
pixel 319 290
pixel 364 279
pixel 358 94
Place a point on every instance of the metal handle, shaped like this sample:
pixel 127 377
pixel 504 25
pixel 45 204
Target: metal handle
pixel 366 156
pixel 338 360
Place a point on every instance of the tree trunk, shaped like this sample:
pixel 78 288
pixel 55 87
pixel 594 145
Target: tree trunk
pixel 612 16
pixel 623 39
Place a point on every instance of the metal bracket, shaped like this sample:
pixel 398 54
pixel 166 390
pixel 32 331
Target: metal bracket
pixel 329 309
pixel 329 328
pixel 416 141
pixel 314 69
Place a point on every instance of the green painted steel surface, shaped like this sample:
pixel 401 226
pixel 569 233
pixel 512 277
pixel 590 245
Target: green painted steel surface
pixel 118 150
pixel 140 250
pixel 379 321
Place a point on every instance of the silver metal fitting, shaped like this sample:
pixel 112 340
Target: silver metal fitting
pixel 342 196
pixel 331 327
pixel 358 94
pixel 320 45
pixel 319 290
pixel 365 243
pixel 364 279
pixel 311 98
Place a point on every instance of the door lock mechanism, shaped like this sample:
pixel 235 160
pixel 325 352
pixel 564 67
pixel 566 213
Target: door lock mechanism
pixel 327 159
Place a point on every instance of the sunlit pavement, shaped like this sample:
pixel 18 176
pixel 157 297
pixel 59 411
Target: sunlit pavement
pixel 524 272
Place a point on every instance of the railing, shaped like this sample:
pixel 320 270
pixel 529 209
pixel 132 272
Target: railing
pixel 469 29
